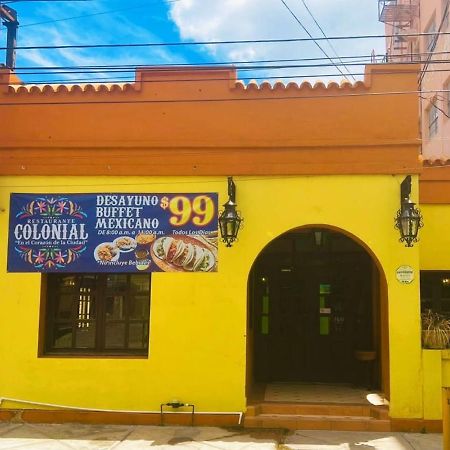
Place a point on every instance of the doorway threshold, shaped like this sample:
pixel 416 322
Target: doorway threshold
pixel 299 392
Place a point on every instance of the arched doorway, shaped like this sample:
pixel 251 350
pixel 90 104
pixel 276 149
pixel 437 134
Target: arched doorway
pixel 317 312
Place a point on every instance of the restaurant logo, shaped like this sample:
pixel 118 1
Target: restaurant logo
pixel 50 232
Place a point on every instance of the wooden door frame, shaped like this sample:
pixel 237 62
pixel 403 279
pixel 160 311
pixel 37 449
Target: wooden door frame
pixel 379 302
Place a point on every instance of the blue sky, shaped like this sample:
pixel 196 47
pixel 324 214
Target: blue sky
pixel 142 21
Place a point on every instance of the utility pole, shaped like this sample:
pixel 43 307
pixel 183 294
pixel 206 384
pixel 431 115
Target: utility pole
pixel 9 18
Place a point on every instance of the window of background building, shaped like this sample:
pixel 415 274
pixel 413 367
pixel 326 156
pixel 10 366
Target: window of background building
pixel 445 8
pixel 430 39
pixel 97 314
pixel 447 97
pixel 435 292
pixel 432 119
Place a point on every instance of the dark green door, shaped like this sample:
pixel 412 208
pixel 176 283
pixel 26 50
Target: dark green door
pixel 312 308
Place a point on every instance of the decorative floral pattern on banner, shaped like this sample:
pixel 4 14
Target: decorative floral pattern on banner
pixel 51 207
pixel 49 258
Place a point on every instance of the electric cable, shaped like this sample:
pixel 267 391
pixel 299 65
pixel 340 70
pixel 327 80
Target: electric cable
pixel 222 100
pixel 436 106
pixel 201 68
pixel 310 35
pixel 219 42
pixel 325 36
pixel 130 79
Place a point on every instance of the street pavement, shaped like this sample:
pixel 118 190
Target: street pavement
pixel 125 437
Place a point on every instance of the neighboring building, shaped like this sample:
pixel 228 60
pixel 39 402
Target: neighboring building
pixel 407 17
pixel 317 289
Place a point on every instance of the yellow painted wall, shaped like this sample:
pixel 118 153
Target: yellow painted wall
pixel 198 321
pixel 432 384
pixel 435 255
pixel 435 238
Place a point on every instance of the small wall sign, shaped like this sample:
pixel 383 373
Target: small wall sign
pixel 405 274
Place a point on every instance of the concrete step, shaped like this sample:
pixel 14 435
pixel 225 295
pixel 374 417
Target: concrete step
pixel 319 409
pixel 317 422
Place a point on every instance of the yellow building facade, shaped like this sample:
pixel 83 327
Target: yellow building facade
pixel 318 172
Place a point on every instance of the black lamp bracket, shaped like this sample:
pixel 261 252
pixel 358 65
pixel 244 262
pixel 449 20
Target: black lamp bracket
pixel 231 190
pixel 405 190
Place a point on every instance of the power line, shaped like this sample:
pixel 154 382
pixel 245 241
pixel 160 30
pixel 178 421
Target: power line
pixel 130 69
pixel 325 36
pixel 207 63
pixel 130 79
pixel 224 42
pixel 310 35
pixel 357 58
pixel 224 100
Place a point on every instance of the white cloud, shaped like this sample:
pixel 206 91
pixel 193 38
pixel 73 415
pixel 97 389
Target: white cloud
pixel 213 20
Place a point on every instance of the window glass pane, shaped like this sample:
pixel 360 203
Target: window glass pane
pixel 116 282
pixel 140 283
pixel 66 283
pixel 139 307
pixel 86 305
pixel 62 336
pixel 63 308
pixel 88 282
pixel 138 335
pixel 432 120
pixel 115 335
pixel 430 39
pixel 445 286
pixel 85 335
pixel 426 286
pixel 115 307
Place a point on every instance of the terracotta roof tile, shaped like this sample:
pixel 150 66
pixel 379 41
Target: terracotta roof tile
pixel 66 88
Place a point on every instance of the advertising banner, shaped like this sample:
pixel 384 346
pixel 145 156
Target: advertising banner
pixel 113 232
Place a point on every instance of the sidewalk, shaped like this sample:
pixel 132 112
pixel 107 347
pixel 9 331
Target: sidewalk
pixel 125 437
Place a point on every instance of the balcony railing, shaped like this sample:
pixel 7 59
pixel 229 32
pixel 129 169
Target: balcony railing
pixel 397 11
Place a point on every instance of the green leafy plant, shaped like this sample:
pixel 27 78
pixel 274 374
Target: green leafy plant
pixel 435 330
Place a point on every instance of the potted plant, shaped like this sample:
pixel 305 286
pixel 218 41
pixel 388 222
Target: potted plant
pixel 435 330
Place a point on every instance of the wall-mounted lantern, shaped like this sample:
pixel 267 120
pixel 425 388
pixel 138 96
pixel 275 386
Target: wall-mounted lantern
pixel 409 219
pixel 229 219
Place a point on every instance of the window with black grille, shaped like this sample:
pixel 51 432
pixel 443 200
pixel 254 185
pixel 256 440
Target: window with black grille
pixel 97 314
pixel 435 291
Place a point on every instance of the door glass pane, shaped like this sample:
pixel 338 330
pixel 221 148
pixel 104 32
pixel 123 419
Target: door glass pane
pixel 138 336
pixel 62 336
pixel 324 326
pixel 115 335
pixel 138 307
pixel 115 307
pixel 325 289
pixel 85 334
pixel 265 325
